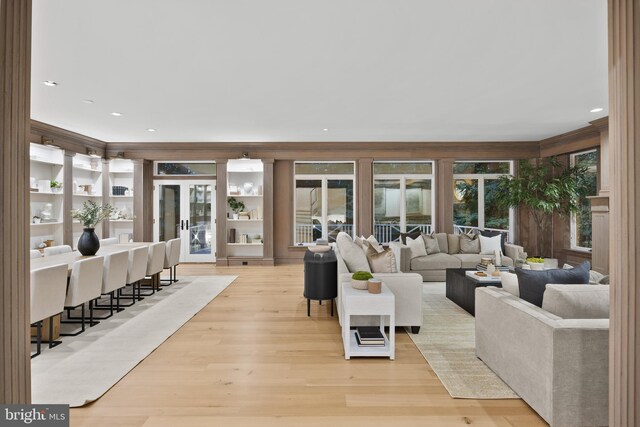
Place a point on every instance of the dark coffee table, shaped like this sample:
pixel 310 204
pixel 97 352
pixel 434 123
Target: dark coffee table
pixel 461 288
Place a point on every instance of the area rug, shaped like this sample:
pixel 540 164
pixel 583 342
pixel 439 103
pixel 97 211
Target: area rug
pixel 83 368
pixel 447 342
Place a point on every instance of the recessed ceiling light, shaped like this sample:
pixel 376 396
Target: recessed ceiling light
pixel 88 101
pixel 151 130
pixel 115 113
pixel 325 130
pixel 50 83
pixel 597 110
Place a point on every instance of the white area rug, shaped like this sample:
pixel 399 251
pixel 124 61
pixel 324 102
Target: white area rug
pixel 83 368
pixel 447 341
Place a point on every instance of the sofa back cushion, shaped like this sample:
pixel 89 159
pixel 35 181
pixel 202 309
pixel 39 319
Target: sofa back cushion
pixel 381 262
pixel 443 243
pixel 352 253
pixel 453 243
pixel 469 244
pixel 577 301
pixel 532 283
pixel 510 283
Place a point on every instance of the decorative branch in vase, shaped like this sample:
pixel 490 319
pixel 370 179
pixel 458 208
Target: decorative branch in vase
pixel 90 215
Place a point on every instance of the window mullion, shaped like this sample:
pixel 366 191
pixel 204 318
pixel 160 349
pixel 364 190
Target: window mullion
pixel 403 204
pixel 481 202
pixel 325 209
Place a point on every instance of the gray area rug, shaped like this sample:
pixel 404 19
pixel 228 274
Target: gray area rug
pixel 83 368
pixel 447 342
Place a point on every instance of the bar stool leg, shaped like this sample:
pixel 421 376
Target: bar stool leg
pixel 308 307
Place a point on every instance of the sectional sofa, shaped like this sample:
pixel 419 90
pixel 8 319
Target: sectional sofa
pixel 433 267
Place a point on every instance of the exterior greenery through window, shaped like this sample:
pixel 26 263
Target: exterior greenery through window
pixel 324 200
pixel 581 220
pixel 185 168
pixel 403 199
pixel 475 186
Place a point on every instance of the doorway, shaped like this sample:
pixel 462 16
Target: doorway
pixel 185 209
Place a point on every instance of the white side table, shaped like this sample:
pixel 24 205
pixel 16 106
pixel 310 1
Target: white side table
pixel 356 302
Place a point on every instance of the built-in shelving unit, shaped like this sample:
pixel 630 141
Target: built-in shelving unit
pixel 121 181
pixel 245 233
pixel 46 203
pixel 87 185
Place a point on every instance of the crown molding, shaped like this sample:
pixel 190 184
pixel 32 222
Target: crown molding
pixel 569 142
pixel 65 139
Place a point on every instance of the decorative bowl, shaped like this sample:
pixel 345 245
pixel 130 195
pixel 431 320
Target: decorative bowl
pixel 319 249
pixel 536 265
pixel 360 284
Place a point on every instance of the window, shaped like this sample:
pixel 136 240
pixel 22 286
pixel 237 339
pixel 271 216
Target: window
pixel 474 190
pixel 581 220
pixel 185 168
pixel 324 201
pixel 403 199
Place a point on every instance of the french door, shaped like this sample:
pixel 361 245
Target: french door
pixel 186 209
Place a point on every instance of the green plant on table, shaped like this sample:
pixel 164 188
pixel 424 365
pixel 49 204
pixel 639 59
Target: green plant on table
pixel 92 214
pixel 535 260
pixel 362 275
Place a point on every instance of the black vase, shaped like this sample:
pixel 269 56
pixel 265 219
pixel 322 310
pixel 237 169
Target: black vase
pixel 88 244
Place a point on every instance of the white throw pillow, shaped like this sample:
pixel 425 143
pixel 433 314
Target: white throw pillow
pixel 488 245
pixel 352 254
pixel 417 247
pixel 510 283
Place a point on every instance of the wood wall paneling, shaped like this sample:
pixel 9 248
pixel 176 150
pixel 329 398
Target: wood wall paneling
pixel 221 211
pixel 364 197
pixel 267 209
pixel 600 233
pixel 444 195
pixel 284 252
pixel 147 196
pixel 624 140
pixel 577 140
pixel 106 195
pixel 15 80
pixel 67 199
pixel 138 200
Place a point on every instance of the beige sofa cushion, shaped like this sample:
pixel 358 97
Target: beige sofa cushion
pixel 468 260
pixel 510 283
pixel 417 246
pixel 381 262
pixel 453 243
pixel 443 242
pixel 577 301
pixel 469 245
pixel 439 261
pixel 432 245
pixel 352 253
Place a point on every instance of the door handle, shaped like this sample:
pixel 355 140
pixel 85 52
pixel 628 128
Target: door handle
pixel 181 224
pixel 187 224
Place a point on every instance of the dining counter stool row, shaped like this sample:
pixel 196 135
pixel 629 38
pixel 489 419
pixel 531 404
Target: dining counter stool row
pixel 53 292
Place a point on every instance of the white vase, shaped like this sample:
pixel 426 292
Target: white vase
pixel 236 216
pixel 248 186
pixel 490 269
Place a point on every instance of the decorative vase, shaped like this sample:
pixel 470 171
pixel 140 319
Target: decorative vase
pixel 89 243
pixel 248 186
pixel 537 265
pixel 359 284
pixel 490 269
pixel 374 286
pixel 236 215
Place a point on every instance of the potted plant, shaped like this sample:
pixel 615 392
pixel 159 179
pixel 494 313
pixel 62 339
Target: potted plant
pixel 89 216
pixel 360 279
pixel 536 263
pixel 236 206
pixel 56 186
pixel 544 187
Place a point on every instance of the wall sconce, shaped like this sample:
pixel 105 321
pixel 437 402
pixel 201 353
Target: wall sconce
pixel 47 142
pixel 93 153
pixel 245 155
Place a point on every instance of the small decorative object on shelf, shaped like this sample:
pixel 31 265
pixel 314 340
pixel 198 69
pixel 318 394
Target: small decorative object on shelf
pixel 247 187
pixel 369 336
pixel 374 286
pixel 56 186
pixel 89 216
pixel 36 219
pixel 360 279
pixel 236 206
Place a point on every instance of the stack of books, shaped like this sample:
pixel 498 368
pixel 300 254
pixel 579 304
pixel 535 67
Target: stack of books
pixel 369 336
pixel 481 267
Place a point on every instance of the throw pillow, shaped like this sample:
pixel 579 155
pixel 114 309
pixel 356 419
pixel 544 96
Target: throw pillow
pixel 381 262
pixel 577 301
pixel 417 247
pixel 352 254
pixel 413 235
pixel 532 283
pixel 491 233
pixel 489 245
pixel 361 242
pixel 510 283
pixel 431 244
pixel 469 245
pixel 453 242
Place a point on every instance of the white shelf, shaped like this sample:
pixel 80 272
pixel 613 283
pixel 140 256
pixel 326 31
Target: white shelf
pixel 84 168
pixel 122 197
pixel 116 172
pixel 238 195
pixel 48 162
pixel 244 220
pixel 120 220
pixel 373 351
pixel 47 194
pixel 46 223
pixel 87 195
pixel 244 244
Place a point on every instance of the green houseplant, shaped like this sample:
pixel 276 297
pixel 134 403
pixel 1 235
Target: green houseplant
pixel 56 186
pixel 236 206
pixel 360 279
pixel 89 216
pixel 544 187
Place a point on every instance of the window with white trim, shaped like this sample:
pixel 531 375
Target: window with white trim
pixel 403 199
pixel 474 188
pixel 581 220
pixel 324 200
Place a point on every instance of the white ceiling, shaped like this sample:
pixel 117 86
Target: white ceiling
pixel 284 70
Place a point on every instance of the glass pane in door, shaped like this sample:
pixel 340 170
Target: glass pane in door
pixel 465 203
pixel 386 222
pixel 308 210
pixel 339 207
pixel 200 219
pixel 418 205
pixel 169 217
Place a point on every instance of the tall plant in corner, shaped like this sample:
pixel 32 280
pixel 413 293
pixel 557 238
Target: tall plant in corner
pixel 544 187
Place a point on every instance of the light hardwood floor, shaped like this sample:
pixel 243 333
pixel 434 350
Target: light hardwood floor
pixel 253 357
